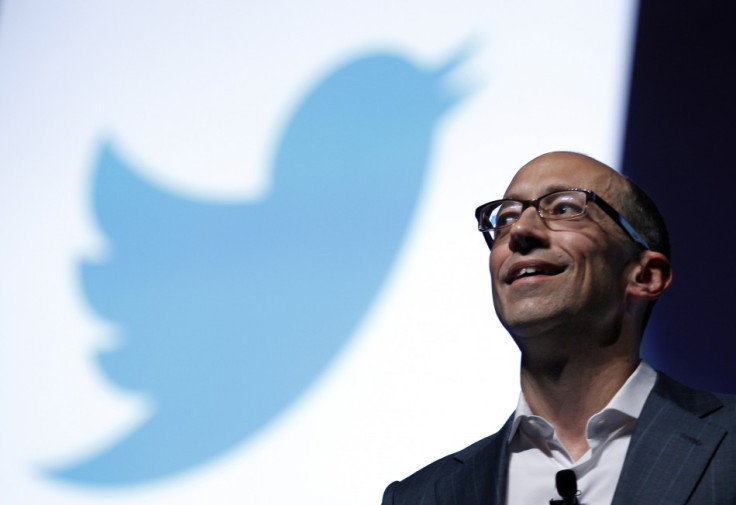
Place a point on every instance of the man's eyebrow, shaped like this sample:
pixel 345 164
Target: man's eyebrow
pixel 548 189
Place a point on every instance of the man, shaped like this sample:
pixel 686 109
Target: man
pixel 579 255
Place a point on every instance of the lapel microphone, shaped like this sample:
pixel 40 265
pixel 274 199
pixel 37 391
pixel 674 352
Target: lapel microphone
pixel 567 487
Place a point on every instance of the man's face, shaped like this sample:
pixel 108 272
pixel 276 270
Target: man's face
pixel 564 275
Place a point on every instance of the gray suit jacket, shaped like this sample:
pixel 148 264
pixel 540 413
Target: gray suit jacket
pixel 682 451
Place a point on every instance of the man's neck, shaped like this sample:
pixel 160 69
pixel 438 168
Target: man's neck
pixel 568 392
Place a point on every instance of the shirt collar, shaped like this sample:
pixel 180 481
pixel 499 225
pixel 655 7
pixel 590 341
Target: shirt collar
pixel 628 400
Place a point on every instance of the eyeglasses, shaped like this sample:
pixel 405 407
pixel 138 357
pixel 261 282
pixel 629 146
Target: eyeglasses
pixel 495 218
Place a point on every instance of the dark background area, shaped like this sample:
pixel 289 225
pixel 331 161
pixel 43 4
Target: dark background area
pixel 679 146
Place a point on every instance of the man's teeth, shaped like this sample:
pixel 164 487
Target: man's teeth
pixel 528 271
pixel 548 270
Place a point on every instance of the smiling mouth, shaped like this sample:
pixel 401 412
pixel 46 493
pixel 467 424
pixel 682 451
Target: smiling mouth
pixel 533 271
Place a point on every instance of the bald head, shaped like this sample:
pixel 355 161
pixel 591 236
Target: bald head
pixel 563 170
pixel 557 169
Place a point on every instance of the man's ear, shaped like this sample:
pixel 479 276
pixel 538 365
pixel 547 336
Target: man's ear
pixel 651 276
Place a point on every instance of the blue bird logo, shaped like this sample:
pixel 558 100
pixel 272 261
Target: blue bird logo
pixel 227 312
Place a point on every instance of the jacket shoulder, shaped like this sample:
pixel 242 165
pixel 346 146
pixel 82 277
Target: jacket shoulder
pixel 716 406
pixel 419 488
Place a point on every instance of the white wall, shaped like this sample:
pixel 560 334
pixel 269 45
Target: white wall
pixel 197 93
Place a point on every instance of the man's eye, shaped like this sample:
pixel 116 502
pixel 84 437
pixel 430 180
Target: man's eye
pixel 505 218
pixel 565 208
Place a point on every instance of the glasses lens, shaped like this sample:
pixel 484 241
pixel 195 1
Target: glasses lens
pixel 563 205
pixel 499 216
pixel 505 214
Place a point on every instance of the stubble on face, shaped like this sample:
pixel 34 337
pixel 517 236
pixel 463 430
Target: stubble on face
pixel 579 282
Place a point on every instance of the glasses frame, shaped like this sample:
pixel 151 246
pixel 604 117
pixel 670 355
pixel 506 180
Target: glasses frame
pixel 590 196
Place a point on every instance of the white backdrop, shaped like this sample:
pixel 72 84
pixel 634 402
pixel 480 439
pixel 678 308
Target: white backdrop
pixel 197 93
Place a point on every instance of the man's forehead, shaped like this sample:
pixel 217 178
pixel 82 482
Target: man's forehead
pixel 558 171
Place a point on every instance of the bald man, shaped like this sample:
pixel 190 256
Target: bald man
pixel 579 255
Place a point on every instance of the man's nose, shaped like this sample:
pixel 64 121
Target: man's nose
pixel 529 231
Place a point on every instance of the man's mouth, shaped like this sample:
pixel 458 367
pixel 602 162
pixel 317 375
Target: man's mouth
pixel 532 270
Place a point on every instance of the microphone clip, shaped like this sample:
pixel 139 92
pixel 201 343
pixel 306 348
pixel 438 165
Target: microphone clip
pixel 567 486
pixel 570 500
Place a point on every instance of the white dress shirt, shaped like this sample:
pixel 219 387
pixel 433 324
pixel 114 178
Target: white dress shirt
pixel 536 454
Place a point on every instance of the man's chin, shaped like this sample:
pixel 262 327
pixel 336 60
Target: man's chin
pixel 532 321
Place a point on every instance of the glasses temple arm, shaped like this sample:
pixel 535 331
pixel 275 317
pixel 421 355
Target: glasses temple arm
pixel 622 222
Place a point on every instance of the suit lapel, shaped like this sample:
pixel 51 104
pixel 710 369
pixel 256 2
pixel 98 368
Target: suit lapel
pixel 481 477
pixel 671 446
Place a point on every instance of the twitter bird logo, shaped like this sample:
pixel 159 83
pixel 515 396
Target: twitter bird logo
pixel 227 312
